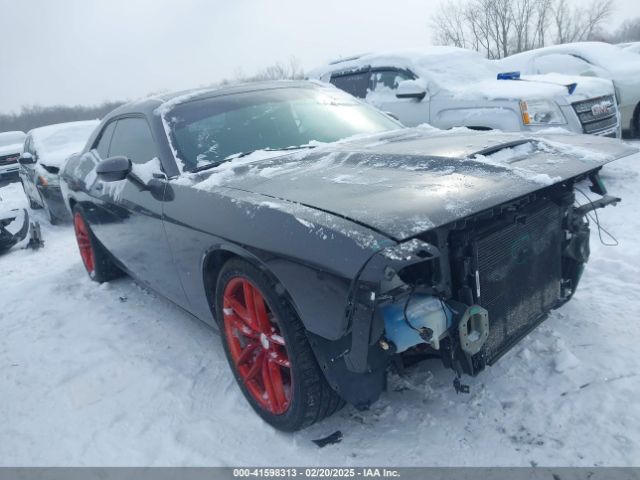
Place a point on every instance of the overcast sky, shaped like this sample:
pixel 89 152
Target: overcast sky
pixel 87 51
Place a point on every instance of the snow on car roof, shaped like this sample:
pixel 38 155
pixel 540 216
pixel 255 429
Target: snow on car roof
pixel 602 54
pixel 439 64
pixel 54 143
pixel 464 73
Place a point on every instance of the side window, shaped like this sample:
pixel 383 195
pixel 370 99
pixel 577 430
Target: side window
pixel 355 83
pixel 102 147
pixel 388 79
pixel 132 138
pixel 561 63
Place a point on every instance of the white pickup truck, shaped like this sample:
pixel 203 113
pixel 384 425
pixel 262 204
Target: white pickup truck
pixel 453 87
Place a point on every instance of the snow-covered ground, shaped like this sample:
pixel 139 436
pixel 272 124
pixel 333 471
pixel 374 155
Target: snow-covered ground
pixel 114 375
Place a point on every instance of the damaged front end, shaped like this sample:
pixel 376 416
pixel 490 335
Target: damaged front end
pixel 465 292
pixel 14 226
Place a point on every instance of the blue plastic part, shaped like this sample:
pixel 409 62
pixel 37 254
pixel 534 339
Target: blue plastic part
pixel 422 311
pixel 572 87
pixel 509 76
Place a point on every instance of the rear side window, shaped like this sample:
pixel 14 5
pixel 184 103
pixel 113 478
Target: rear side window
pixel 132 138
pixel 105 139
pixel 355 83
pixel 389 79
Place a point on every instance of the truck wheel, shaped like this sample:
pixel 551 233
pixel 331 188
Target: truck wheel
pixel 95 258
pixel 268 351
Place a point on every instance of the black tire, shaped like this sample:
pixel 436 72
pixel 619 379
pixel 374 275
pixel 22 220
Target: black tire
pixel 311 397
pixel 101 268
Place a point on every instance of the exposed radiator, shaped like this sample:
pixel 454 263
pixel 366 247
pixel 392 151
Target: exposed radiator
pixel 519 273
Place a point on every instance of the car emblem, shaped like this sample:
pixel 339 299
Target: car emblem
pixel 601 108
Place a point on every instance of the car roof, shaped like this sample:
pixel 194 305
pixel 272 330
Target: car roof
pixel 167 100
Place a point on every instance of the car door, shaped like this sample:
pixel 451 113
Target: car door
pixel 27 172
pixel 128 217
pixel 383 86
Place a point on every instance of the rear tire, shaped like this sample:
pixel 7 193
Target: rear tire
pixel 94 256
pixel 268 350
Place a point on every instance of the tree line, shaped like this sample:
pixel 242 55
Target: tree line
pixel 496 28
pixel 37 116
pixel 499 28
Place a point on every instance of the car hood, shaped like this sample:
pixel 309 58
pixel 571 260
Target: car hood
pixel 10 149
pixel 586 87
pixel 406 182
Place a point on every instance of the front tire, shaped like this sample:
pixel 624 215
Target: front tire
pixel 95 258
pixel 268 351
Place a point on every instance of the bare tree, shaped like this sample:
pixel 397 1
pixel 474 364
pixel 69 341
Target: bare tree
pixel 498 28
pixel 629 31
pixel 290 70
pixel 579 23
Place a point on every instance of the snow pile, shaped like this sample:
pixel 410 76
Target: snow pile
pixel 54 143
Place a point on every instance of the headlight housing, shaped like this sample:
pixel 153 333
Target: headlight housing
pixel 541 112
pixel 46 177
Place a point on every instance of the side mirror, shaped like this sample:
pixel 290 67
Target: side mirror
pixel 26 159
pixel 113 169
pixel 411 89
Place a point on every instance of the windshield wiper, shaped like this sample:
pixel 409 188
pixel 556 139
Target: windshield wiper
pixel 244 154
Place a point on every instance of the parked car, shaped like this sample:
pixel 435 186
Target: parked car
pixel 45 149
pixel 453 87
pixel 633 47
pixel 590 59
pixel 323 258
pixel 10 149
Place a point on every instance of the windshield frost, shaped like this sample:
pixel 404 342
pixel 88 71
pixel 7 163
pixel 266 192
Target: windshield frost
pixel 210 130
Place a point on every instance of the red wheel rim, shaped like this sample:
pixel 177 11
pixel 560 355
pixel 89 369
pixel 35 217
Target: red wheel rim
pixel 84 242
pixel 257 348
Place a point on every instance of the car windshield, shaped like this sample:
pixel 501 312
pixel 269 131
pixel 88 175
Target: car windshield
pixel 211 130
pixel 11 138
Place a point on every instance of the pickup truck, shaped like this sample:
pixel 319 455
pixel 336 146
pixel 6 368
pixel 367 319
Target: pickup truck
pixel 453 87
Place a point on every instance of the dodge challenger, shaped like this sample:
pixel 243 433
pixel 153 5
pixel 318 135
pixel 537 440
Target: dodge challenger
pixel 327 242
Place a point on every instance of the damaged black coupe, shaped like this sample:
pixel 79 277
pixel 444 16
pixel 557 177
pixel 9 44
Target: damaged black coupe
pixel 326 241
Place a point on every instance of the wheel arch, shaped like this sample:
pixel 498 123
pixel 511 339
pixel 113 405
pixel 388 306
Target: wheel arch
pixel 215 258
pixel 635 121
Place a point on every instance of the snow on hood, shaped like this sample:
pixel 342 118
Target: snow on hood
pixel 407 181
pixel 54 143
pixel 11 142
pixel 587 87
pixel 9 149
pixel 464 73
